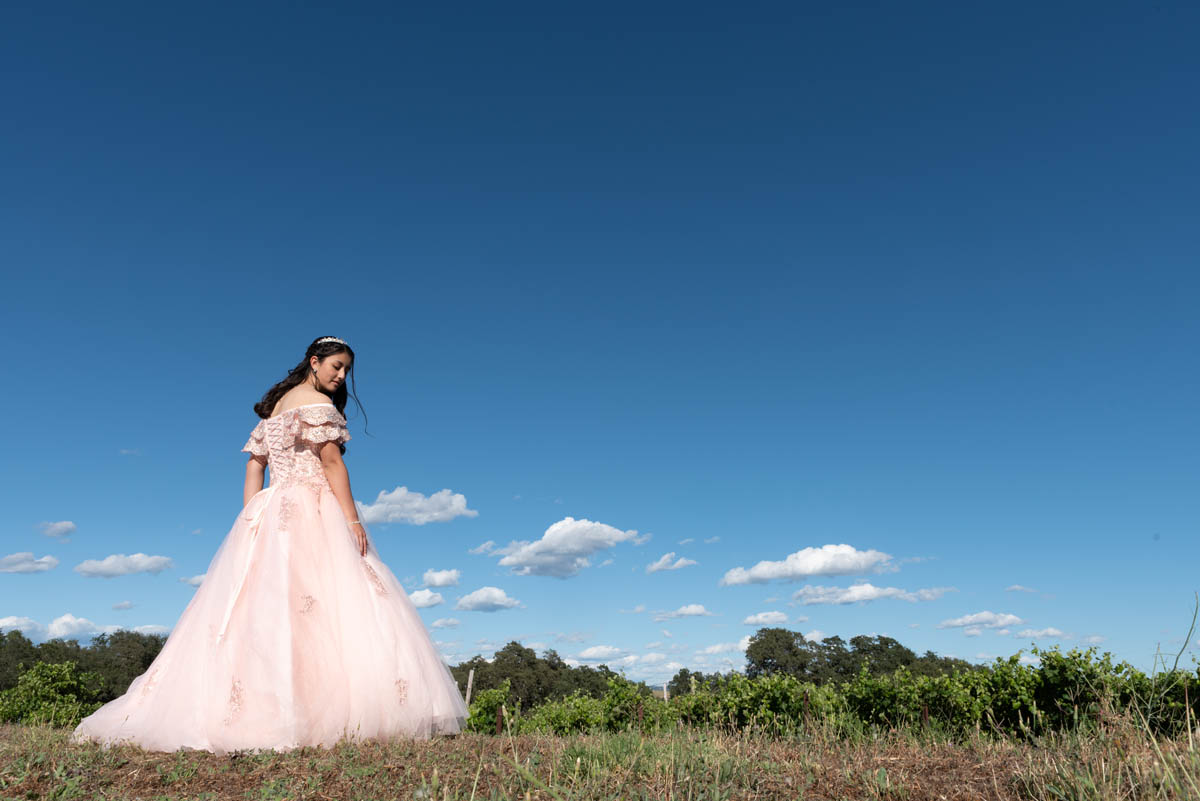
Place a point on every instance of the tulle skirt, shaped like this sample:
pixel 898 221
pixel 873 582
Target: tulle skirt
pixel 293 638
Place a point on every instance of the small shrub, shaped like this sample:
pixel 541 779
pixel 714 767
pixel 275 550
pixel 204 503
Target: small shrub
pixel 485 706
pixel 577 713
pixel 54 694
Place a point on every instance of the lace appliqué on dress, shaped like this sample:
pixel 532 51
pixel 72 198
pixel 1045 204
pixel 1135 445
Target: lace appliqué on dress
pixel 235 701
pixel 287 510
pixel 402 689
pixel 151 680
pixel 307 604
pixel 257 444
pixel 374 577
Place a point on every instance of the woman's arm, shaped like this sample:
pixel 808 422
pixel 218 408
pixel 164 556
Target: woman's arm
pixel 254 479
pixel 339 482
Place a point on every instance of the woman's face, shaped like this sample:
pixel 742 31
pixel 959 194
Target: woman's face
pixel 330 373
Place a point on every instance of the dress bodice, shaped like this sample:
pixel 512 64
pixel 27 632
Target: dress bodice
pixel 292 440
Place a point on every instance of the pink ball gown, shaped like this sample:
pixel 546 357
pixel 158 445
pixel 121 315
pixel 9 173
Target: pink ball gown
pixel 293 638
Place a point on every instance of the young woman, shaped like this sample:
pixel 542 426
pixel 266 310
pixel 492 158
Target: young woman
pixel 299 634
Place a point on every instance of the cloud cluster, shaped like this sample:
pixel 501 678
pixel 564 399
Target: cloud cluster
pixel 564 549
pixel 25 563
pixel 59 529
pixel 828 560
pixel 119 564
pixel 404 506
pixel 423 599
pixel 767 619
pixel 68 626
pixel 687 610
pixel 726 647
pixel 441 578
pixel 486 599
pixel 981 620
pixel 664 563
pixel 864 592
pixel 1039 634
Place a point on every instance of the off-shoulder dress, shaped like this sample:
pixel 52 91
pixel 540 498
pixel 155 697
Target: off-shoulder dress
pixel 293 638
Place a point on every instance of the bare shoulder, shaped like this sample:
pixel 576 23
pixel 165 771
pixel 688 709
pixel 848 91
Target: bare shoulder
pixel 300 396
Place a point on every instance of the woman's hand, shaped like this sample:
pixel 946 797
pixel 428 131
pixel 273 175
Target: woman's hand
pixel 360 537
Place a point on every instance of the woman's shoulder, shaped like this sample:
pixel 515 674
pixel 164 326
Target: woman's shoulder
pixel 296 398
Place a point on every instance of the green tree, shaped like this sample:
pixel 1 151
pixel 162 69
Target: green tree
pixel 777 650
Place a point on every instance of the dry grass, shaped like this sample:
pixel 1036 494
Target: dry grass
pixel 39 763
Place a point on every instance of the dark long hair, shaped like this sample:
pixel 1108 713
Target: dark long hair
pixel 299 374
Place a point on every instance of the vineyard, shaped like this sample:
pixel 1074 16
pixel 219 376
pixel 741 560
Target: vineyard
pixel 1076 725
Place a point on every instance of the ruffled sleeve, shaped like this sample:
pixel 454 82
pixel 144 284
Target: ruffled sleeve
pixel 321 424
pixel 257 444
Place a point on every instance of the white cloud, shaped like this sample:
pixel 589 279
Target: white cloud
pixel 441 578
pixel 1042 633
pixel 1094 639
pixel 425 598
pixel 564 548
pixel 687 610
pixel 816 635
pixel 194 581
pixel 1018 588
pixel 26 625
pixel 119 564
pixel 445 623
pixel 483 547
pixel 664 563
pixel 121 605
pixel 711 540
pixel 987 620
pixel 686 541
pixel 68 625
pixel 726 647
pixel 403 506
pixel 62 528
pixel 486 599
pixel 637 610
pixel 828 560
pixel 599 652
pixel 973 631
pixel 864 592
pixel 1002 632
pixel 766 619
pixel 25 563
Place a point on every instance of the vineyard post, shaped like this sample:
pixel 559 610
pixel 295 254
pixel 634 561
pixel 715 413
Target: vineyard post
pixel 470 681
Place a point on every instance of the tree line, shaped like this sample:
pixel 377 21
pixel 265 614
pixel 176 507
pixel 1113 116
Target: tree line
pixel 121 657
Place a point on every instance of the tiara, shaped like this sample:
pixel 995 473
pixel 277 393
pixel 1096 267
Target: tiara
pixel 330 339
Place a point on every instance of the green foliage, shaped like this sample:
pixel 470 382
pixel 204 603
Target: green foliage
pixel 1065 692
pixel 117 658
pixel 51 694
pixel 577 713
pixel 627 705
pixel 485 706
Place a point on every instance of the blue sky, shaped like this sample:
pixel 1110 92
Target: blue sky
pixel 731 285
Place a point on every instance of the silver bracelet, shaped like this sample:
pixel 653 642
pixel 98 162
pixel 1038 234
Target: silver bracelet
pixel 352 522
